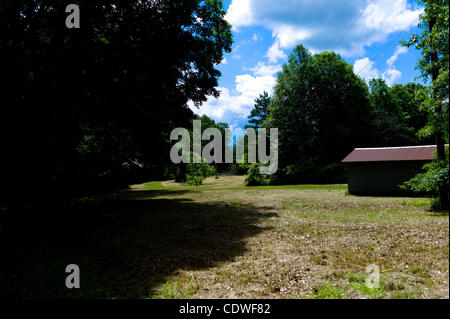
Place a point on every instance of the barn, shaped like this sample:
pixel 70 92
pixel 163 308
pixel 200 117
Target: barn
pixel 380 171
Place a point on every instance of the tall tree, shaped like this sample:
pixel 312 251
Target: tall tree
pixel 433 42
pixel 322 111
pixel 260 110
pixel 414 118
pixel 388 121
pixel 73 97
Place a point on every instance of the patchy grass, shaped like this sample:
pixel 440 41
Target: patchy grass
pixel 175 291
pixel 224 240
pixel 326 292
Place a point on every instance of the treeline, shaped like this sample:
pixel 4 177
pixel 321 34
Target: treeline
pixel 89 108
pixel 323 110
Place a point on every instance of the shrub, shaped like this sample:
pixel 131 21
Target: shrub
pixel 194 180
pixel 434 181
pixel 240 168
pixel 196 172
pixel 254 178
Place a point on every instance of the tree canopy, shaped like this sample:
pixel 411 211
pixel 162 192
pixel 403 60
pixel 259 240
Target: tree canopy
pixel 88 102
pixel 322 111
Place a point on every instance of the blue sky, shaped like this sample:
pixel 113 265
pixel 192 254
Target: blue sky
pixel 365 33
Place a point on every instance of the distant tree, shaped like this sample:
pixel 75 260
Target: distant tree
pixel 414 118
pixel 322 111
pixel 260 111
pixel 389 125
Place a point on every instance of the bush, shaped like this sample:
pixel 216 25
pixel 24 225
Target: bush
pixel 194 180
pixel 200 169
pixel 179 174
pixel 434 181
pixel 240 168
pixel 196 172
pixel 254 178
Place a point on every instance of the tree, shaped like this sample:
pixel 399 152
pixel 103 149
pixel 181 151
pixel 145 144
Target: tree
pixel 389 121
pixel 73 97
pixel 322 111
pixel 260 111
pixel 434 66
pixel 406 98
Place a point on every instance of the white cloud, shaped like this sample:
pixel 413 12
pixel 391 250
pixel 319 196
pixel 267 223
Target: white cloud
pixel 252 86
pixel 274 53
pixel 365 69
pixel 398 51
pixel 262 69
pixel 239 104
pixel 224 61
pixel 320 24
pixel 289 36
pixel 391 76
pixel 239 14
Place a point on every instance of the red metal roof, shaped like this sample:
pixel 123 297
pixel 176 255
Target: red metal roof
pixel 387 154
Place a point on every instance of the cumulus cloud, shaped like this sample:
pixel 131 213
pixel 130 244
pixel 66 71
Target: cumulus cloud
pixel 320 25
pixel 365 68
pixel 398 51
pixel 275 53
pixel 263 69
pixel 239 14
pixel 391 76
pixel 237 104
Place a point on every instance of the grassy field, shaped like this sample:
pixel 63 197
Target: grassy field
pixel 224 240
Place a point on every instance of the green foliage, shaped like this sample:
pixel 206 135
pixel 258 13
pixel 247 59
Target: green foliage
pixel 194 180
pixel 396 118
pixel 197 172
pixel 434 66
pixel 322 111
pixel 260 110
pixel 254 178
pixel 206 123
pixel 434 181
pixel 77 96
pixel 407 97
pixel 326 292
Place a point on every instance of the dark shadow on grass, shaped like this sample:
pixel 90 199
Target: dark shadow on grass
pixel 125 244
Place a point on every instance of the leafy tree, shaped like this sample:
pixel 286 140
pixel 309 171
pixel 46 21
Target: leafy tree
pixel 388 121
pixel 254 178
pixel 197 172
pixel 260 111
pixel 414 118
pixel 434 66
pixel 434 181
pixel 72 97
pixel 322 111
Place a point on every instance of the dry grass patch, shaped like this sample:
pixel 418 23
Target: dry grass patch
pixel 163 240
pixel 318 237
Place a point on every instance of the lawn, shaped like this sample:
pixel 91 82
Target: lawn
pixel 224 240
